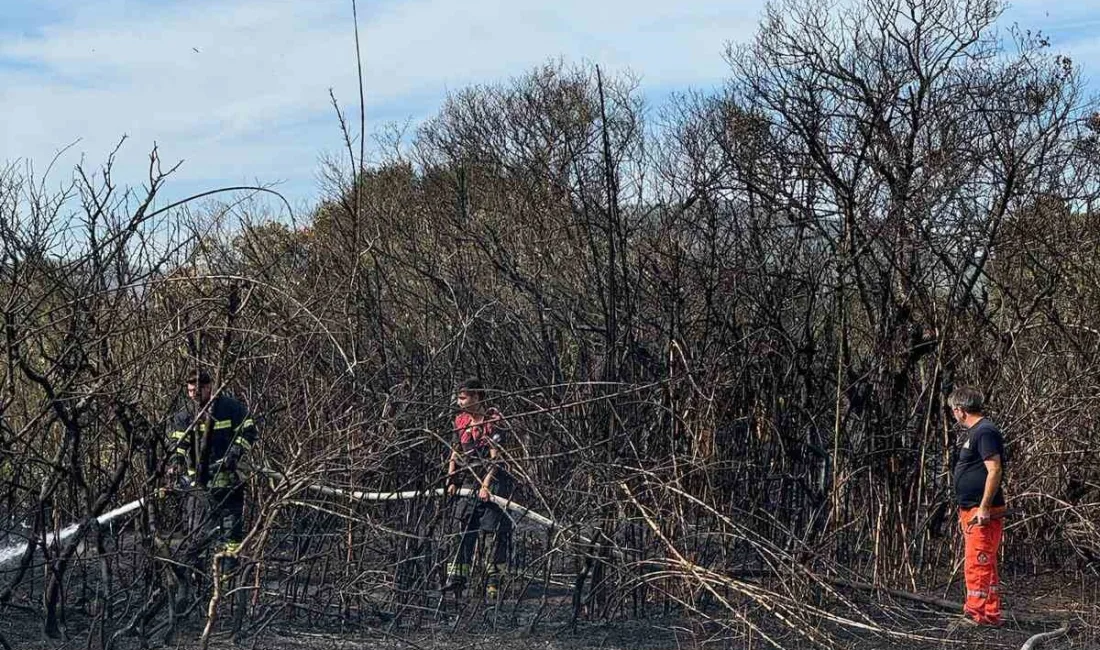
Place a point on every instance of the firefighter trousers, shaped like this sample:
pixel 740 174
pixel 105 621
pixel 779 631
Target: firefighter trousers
pixel 483 517
pixel 982 544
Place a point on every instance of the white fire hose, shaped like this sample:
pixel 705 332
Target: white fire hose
pixel 14 551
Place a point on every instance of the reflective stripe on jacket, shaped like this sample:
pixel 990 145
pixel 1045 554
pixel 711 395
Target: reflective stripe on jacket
pixel 228 422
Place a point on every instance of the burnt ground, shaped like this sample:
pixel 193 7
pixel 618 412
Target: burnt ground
pixel 1045 602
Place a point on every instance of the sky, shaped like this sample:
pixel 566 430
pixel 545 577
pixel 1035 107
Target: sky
pixel 238 90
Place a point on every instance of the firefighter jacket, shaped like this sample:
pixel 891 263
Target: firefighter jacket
pixel 229 432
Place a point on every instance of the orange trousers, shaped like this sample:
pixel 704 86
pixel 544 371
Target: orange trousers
pixel 981 543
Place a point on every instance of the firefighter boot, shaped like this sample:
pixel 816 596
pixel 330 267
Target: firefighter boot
pixel 492 586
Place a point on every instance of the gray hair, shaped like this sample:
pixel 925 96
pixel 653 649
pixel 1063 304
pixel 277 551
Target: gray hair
pixel 968 399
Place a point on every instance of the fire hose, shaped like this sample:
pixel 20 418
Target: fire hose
pixel 185 484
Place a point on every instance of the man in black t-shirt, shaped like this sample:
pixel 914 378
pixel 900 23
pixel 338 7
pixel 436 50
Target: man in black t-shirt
pixel 978 492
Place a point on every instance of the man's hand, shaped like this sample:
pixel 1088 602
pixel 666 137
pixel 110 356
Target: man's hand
pixel 172 472
pixel 175 479
pixel 231 458
pixel 451 489
pixel 983 516
pixel 483 493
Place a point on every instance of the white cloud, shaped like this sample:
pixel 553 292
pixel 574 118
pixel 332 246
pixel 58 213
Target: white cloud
pixel 252 101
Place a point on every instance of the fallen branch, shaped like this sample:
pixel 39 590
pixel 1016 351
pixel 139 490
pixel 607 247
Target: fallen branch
pixel 941 603
pixel 897 593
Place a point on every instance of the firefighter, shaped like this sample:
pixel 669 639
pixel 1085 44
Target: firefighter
pixel 981 500
pixel 476 463
pixel 219 430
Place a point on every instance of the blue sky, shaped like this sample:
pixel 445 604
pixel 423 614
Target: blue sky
pixel 238 89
